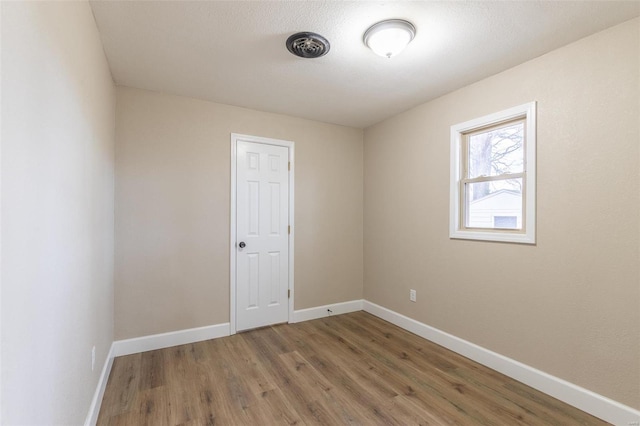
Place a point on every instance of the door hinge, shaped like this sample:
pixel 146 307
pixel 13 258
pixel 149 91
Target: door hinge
pixel 289 229
pixel 289 165
pixel 288 294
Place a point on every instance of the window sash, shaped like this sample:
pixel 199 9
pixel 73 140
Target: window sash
pixel 464 207
pixel 466 138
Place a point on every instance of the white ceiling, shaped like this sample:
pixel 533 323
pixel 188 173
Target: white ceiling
pixel 233 52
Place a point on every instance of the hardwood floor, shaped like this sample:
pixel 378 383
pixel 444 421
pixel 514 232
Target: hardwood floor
pixel 346 369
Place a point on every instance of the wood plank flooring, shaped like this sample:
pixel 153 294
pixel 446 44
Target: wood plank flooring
pixel 346 369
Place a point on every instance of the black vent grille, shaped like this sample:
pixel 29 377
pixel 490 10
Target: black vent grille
pixel 308 45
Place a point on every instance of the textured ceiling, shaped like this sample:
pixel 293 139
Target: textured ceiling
pixel 233 52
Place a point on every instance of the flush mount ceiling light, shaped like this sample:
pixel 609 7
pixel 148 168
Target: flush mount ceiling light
pixel 308 45
pixel 390 37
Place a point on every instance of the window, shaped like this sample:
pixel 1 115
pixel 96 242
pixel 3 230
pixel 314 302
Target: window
pixel 506 222
pixel 493 166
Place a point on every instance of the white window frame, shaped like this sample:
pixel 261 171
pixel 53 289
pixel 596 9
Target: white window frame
pixel 526 235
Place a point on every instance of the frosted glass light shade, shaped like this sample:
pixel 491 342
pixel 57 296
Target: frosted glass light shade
pixel 388 38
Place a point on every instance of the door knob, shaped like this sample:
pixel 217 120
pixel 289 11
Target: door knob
pixel 242 244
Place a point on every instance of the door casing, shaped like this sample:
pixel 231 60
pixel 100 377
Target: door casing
pixel 235 137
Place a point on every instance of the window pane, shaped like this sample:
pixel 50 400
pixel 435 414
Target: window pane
pixel 505 222
pixel 494 205
pixel 497 151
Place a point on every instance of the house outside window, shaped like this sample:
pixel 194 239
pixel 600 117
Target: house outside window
pixel 493 177
pixel 507 222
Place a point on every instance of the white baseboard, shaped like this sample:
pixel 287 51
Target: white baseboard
pixel 586 400
pixel 166 340
pixel 321 311
pixel 96 402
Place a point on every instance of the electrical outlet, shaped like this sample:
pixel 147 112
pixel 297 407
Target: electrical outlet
pixel 412 295
pixel 93 358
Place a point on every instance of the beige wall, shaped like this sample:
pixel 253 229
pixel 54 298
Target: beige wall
pixel 568 305
pixel 58 112
pixel 172 210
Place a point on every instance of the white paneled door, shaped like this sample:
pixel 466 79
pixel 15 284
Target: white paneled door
pixel 262 234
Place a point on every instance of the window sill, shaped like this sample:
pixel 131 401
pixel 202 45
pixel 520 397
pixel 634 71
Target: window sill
pixel 504 237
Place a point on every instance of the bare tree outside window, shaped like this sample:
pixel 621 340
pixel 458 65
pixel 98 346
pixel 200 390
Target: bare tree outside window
pixel 493 153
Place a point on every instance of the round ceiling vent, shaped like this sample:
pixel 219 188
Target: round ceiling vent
pixel 308 45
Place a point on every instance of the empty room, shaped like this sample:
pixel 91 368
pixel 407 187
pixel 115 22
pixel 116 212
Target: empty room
pixel 320 212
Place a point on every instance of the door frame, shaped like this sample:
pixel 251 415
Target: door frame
pixel 235 138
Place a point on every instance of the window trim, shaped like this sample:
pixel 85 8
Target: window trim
pixel 457 230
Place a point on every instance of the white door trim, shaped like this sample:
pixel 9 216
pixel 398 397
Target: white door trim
pixel 235 137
